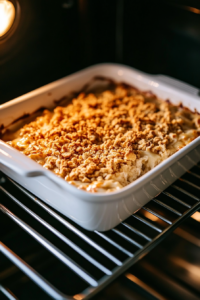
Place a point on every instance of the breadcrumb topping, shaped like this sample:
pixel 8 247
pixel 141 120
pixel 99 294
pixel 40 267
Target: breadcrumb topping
pixel 104 141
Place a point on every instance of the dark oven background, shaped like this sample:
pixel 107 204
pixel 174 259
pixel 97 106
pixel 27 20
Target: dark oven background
pixel 55 38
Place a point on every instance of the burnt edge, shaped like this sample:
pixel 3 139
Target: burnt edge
pixel 183 107
pixel 24 116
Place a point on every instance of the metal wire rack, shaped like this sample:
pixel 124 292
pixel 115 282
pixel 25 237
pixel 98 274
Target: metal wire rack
pixel 88 260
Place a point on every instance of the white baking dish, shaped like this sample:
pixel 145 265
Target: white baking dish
pixel 97 211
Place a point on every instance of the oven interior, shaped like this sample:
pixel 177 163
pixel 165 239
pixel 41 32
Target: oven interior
pixel 154 254
pixel 56 38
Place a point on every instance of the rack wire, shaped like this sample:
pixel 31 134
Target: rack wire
pixel 88 260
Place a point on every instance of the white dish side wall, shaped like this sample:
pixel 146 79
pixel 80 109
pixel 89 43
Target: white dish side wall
pixel 105 215
pixel 95 212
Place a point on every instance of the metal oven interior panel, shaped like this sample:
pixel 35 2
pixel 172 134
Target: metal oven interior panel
pixel 56 257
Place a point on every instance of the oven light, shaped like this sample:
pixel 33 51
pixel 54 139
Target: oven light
pixel 7 16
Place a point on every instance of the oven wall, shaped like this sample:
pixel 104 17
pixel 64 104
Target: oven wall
pixel 163 37
pixel 57 38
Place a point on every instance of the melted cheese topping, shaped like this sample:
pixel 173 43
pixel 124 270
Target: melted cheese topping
pixel 102 142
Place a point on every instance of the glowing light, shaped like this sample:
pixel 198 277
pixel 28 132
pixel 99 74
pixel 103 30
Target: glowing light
pixel 196 216
pixel 79 296
pixel 7 16
pixel 150 216
pixel 193 270
pixel 188 8
pixel 193 9
pixel 143 285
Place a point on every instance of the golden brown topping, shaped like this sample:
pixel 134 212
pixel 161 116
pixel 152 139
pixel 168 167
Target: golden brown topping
pixel 115 136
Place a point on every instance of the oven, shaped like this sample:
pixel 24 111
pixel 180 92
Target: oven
pixel 154 254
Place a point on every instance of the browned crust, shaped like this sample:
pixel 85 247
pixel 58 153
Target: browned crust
pixel 85 89
pixel 103 136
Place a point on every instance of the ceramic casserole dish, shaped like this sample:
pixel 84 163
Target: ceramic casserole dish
pixel 91 210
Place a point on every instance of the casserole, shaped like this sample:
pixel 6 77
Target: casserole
pixel 96 211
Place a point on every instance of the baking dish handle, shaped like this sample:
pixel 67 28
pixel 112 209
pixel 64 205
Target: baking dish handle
pixel 22 165
pixel 178 84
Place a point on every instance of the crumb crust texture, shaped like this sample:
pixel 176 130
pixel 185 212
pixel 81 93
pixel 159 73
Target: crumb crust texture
pixel 103 141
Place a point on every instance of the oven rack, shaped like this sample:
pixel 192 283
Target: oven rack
pixel 91 259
